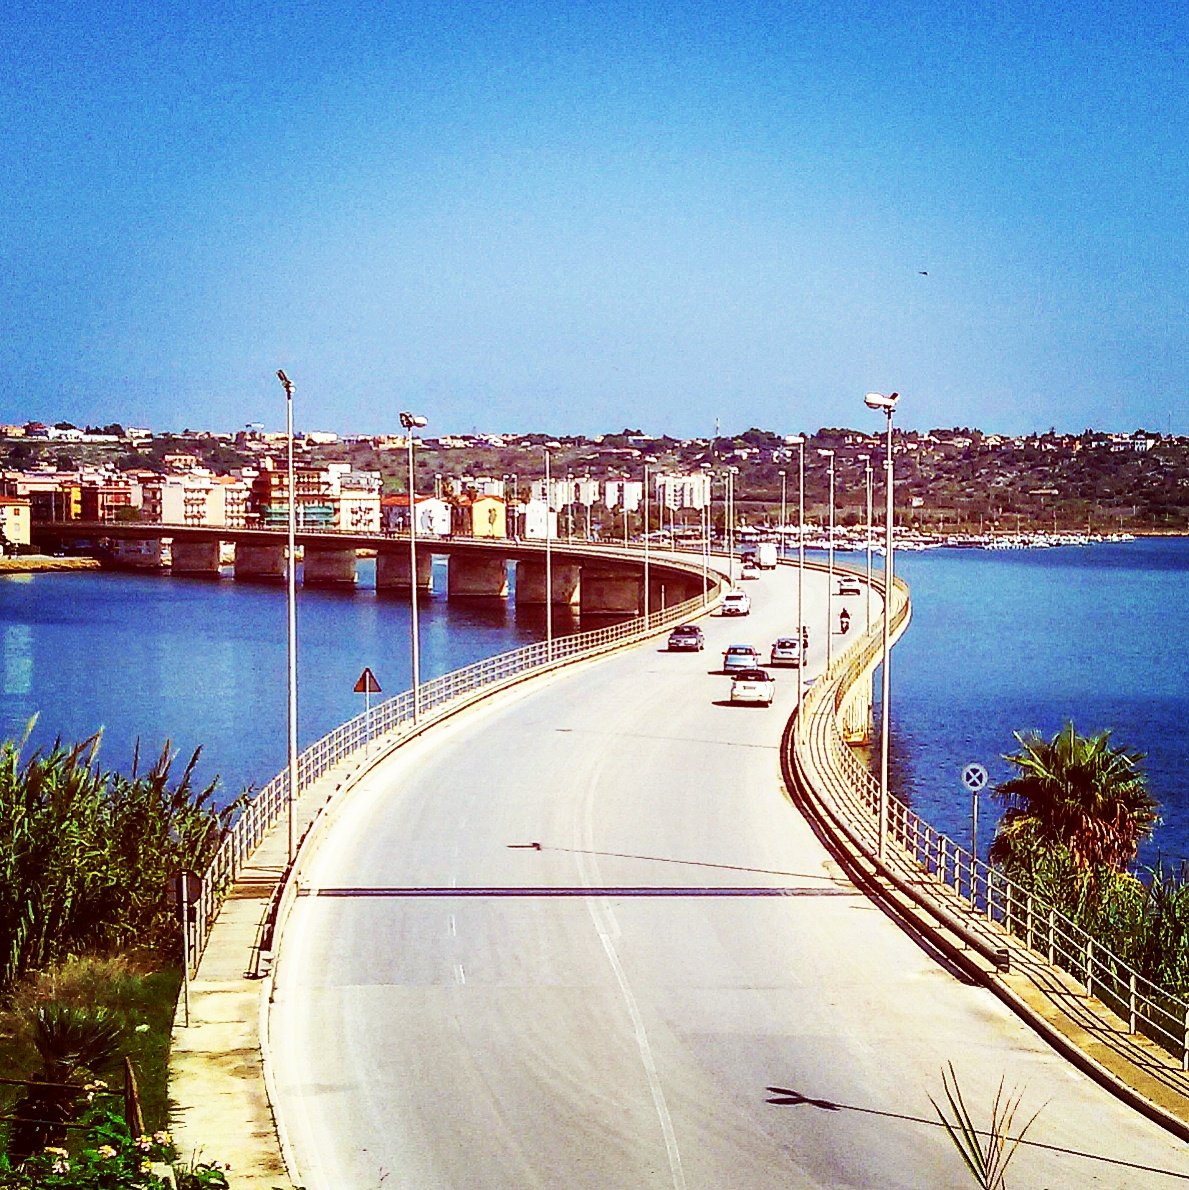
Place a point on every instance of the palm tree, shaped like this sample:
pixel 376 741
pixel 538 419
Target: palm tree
pixel 1076 794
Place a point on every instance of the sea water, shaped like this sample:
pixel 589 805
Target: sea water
pixel 1000 641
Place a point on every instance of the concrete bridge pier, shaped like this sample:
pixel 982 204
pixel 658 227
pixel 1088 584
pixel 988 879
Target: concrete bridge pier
pixel 260 563
pixel 855 717
pixel 200 559
pixel 471 577
pixel 567 584
pixel 328 568
pixel 611 592
pixel 138 553
pixel 392 570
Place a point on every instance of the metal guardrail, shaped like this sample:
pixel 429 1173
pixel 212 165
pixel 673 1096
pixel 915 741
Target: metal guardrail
pixel 988 906
pixel 260 815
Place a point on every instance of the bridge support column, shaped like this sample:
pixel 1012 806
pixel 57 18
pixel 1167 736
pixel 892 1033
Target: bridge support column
pixel 260 563
pixel 392 570
pixel 530 584
pixel 137 553
pixel 198 558
pixel 486 577
pixel 611 592
pixel 328 568
pixel 855 720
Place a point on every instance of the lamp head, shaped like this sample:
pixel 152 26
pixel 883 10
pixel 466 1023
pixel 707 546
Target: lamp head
pixel 286 383
pixel 880 401
pixel 794 440
pixel 413 421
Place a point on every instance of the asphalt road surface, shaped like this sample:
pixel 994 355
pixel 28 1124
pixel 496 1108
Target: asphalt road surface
pixel 580 938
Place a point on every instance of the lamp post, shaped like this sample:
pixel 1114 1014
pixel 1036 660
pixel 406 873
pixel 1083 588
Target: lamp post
pixel 548 561
pixel 515 507
pixel 799 442
pixel 867 467
pixel 829 454
pixel 648 459
pixel 291 602
pixel 411 422
pixel 887 405
pixel 569 508
pixel 783 488
pixel 731 473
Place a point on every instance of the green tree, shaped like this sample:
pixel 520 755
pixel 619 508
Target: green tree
pixel 1077 794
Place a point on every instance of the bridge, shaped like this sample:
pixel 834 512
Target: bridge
pixel 595 580
pixel 602 928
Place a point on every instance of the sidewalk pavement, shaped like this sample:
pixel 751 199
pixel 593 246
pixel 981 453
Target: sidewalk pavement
pixel 219 1105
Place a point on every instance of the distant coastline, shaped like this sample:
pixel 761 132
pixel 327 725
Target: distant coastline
pixel 31 563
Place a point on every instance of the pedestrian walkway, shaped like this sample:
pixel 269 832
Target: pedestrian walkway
pixel 220 1109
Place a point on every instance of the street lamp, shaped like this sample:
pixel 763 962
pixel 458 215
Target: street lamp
pixel 783 488
pixel 648 460
pixel 887 405
pixel 732 471
pixel 829 454
pixel 411 422
pixel 548 560
pixel 291 582
pixel 799 442
pixel 866 459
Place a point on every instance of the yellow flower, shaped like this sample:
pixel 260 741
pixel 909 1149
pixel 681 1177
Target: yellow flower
pixel 162 1137
pixel 57 1152
pixel 106 1151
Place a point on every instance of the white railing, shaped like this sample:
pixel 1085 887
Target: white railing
pixel 260 815
pixel 994 913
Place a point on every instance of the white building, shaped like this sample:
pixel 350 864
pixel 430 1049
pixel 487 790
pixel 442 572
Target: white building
pixel 628 493
pixel 534 520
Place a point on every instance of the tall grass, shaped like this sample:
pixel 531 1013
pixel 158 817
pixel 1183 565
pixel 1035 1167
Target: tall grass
pixel 85 853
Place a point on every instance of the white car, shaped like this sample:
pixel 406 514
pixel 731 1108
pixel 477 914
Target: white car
pixel 753 685
pixel 849 586
pixel 736 603
pixel 749 571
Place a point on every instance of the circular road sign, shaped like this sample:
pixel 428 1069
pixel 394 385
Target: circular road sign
pixel 974 777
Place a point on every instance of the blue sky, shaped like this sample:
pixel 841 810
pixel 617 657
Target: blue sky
pixel 576 218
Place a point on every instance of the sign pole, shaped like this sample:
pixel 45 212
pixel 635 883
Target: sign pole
pixel 367 686
pixel 185 916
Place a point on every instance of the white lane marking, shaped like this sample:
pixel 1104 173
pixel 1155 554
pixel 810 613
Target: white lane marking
pixel 453 927
pixel 460 975
pixel 608 929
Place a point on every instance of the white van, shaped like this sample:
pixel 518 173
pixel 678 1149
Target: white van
pixel 765 555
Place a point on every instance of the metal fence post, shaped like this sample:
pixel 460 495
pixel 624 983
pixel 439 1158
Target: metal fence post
pixel 1131 1004
pixel 1089 963
pixel 1052 947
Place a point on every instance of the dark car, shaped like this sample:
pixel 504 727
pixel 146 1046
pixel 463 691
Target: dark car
pixel 686 638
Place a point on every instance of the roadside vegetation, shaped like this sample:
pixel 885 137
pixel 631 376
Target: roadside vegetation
pixel 89 970
pixel 1077 809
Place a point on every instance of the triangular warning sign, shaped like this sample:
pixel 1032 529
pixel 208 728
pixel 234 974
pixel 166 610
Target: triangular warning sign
pixel 367 683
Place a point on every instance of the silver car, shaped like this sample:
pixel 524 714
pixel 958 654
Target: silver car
pixel 786 650
pixel 740 657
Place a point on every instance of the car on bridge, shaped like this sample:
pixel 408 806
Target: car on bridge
pixel 753 685
pixel 740 657
pixel 849 586
pixel 786 650
pixel 736 603
pixel 686 638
